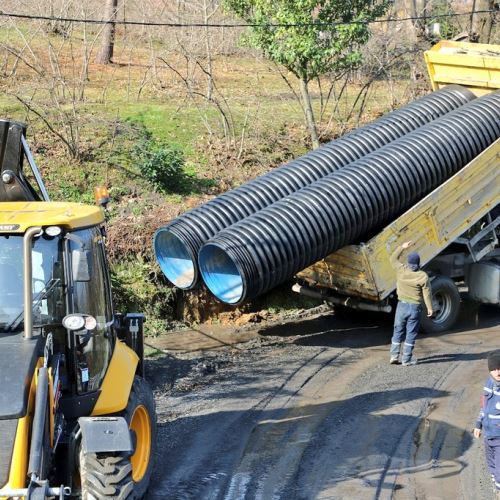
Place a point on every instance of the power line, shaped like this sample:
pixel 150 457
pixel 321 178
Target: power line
pixel 238 25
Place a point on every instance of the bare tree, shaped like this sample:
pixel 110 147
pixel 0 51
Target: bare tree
pixel 105 55
pixel 481 23
pixel 203 12
pixel 54 78
pixel 208 12
pixel 418 10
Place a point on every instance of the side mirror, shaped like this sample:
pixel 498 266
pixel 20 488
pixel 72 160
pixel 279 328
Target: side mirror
pixel 81 261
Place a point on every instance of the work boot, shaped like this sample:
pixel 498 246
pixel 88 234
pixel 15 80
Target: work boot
pixel 410 362
pixel 394 360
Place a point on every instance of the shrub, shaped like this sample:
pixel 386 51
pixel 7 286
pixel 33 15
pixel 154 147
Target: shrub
pixel 163 167
pixel 136 289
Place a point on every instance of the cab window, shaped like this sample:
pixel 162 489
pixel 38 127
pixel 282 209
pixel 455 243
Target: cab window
pixel 92 297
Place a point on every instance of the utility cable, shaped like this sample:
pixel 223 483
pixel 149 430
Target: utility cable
pixel 239 25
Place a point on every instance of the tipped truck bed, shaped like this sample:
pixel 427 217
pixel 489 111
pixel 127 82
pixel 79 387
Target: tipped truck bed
pixel 364 270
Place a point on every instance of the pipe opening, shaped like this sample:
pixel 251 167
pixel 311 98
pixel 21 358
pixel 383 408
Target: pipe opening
pixel 174 259
pixel 220 274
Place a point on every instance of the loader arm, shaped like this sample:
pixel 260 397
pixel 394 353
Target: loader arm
pixel 14 185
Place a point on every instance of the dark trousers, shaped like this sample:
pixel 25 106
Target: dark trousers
pixel 492 452
pixel 406 325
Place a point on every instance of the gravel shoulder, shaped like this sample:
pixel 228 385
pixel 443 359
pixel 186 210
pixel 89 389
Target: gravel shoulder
pixel 311 408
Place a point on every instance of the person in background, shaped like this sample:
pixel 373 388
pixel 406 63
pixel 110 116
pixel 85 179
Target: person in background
pixel 413 289
pixel 488 421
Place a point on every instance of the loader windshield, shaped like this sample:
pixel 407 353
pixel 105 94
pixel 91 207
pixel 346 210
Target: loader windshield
pixel 48 299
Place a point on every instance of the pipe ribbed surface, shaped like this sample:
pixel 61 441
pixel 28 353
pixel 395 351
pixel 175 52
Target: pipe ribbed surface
pixel 271 246
pixel 177 244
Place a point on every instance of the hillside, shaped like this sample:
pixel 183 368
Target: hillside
pixel 179 116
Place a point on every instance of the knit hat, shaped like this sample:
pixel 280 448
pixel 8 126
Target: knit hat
pixel 414 261
pixel 494 360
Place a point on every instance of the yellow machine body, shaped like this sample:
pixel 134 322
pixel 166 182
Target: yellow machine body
pixel 473 65
pixel 18 216
pixel 115 389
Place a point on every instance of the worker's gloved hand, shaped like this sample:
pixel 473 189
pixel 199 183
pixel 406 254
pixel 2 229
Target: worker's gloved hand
pixel 477 433
pixel 406 245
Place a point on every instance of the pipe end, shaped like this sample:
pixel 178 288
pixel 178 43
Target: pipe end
pixel 175 259
pixel 220 274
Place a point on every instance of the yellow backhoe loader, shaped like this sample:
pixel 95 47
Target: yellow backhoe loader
pixel 77 418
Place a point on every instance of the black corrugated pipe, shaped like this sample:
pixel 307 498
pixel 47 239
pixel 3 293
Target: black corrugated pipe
pixel 271 246
pixel 178 243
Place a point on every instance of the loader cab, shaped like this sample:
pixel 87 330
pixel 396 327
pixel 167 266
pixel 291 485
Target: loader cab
pixel 68 282
pixel 52 266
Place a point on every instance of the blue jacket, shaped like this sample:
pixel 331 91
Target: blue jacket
pixel 489 416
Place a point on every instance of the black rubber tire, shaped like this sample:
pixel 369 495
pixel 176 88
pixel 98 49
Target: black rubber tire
pixel 446 303
pixel 142 395
pixel 106 476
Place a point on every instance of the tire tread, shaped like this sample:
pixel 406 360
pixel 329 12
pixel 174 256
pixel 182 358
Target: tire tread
pixel 106 477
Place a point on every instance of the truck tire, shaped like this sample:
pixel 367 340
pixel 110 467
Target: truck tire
pixel 141 417
pixel 446 305
pixel 104 476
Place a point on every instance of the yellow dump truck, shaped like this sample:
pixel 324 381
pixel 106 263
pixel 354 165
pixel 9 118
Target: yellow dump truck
pixel 455 228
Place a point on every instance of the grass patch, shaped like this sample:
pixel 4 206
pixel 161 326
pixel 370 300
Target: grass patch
pixel 11 108
pixel 166 122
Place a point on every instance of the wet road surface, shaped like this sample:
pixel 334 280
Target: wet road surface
pixel 312 409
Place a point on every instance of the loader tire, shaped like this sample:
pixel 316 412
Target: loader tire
pixel 120 476
pixel 141 417
pixel 446 304
pixel 104 476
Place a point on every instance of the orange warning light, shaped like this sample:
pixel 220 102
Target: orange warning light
pixel 101 195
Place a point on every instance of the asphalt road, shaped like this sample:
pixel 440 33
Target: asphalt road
pixel 312 409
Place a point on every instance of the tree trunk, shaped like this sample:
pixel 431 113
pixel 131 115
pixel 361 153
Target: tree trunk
pixel 208 50
pixel 420 11
pixel 481 23
pixel 108 33
pixel 308 111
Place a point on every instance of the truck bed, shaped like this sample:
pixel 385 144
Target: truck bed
pixel 440 218
pixel 474 65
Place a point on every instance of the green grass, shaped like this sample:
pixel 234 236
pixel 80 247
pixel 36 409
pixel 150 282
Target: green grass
pixel 135 292
pixel 11 108
pixel 178 127
pixel 13 36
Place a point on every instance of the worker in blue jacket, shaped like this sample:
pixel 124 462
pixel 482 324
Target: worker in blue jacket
pixel 488 422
